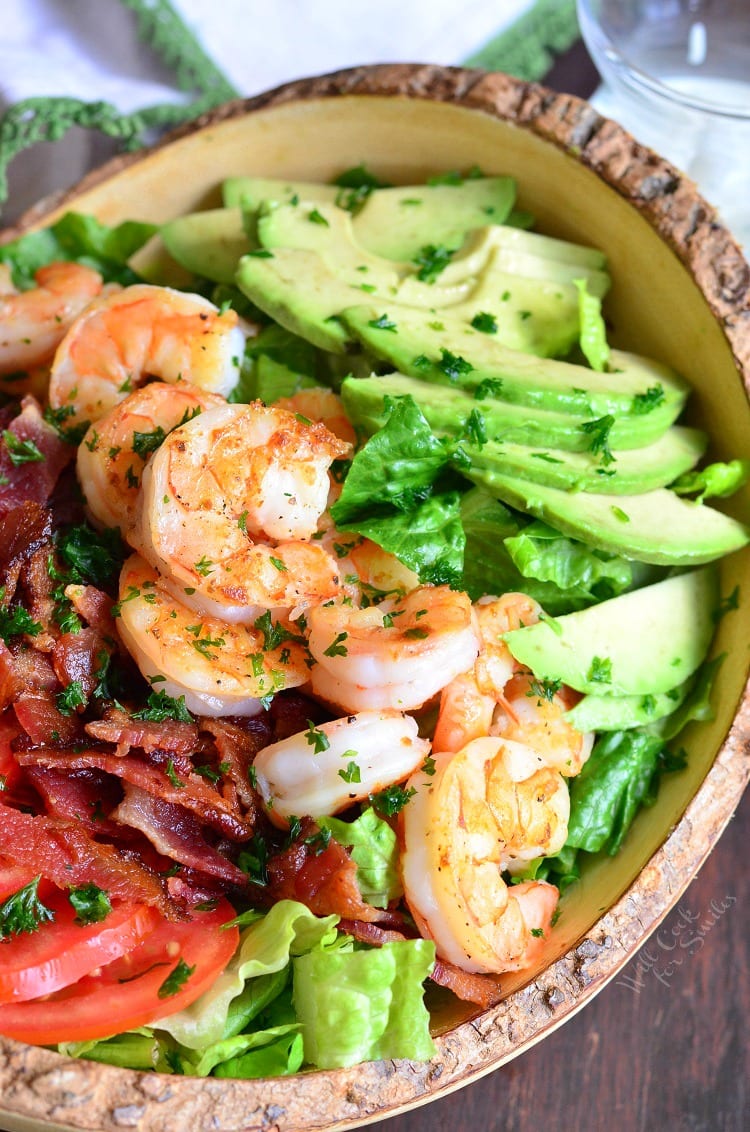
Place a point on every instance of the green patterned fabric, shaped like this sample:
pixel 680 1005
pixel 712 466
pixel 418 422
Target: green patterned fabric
pixel 527 49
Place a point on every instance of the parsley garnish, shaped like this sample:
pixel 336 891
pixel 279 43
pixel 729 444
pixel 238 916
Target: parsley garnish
pixel 645 402
pixel 431 260
pixel 318 740
pixel 15 620
pixel 71 698
pixel 173 777
pixel 600 671
pixel 428 766
pixel 204 566
pixel 90 903
pixel 337 646
pixel 544 689
pixel 73 434
pixel 599 431
pixel 144 443
pixel 383 323
pixel 254 859
pixel 160 706
pixel 475 428
pixel 23 912
pixel 391 800
pixel 351 774
pixel 175 980
pixel 453 365
pixel 21 451
pixel 317 217
pixel 485 322
pixel 489 387
pixel 319 841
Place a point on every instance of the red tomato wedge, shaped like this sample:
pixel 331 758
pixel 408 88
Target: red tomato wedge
pixel 61 951
pixel 166 972
pixel 13 877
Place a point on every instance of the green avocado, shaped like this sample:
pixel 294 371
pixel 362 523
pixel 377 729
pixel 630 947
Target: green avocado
pixel 634 384
pixel 250 192
pixel 450 411
pixel 645 642
pixel 208 243
pixel 632 472
pixel 619 713
pixel 656 526
pixel 399 222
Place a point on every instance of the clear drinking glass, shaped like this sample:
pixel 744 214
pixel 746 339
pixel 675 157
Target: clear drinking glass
pixel 677 76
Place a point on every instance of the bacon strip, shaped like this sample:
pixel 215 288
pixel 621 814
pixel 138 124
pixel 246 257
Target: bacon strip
pixel 192 792
pixel 167 735
pixel 175 833
pixel 326 882
pixel 65 854
pixel 85 797
pixel 34 480
pixel 23 530
pixel 237 747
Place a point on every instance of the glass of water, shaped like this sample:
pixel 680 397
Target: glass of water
pixel 677 76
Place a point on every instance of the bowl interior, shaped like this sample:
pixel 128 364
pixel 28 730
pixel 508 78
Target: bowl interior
pixel 654 307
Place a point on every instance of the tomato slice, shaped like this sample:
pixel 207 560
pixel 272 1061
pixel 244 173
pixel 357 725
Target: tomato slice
pixel 166 972
pixel 13 877
pixel 61 951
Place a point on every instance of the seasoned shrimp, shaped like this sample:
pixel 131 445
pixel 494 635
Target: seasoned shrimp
pixel 327 768
pixel 368 573
pixel 115 449
pixel 220 669
pixel 34 322
pixel 394 655
pixel 229 504
pixel 140 332
pixel 533 712
pixel 468 703
pixel 477 812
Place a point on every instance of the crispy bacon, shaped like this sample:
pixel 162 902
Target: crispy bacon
pixel 93 606
pixel 23 531
pixel 37 588
pixel 10 682
pixel 65 854
pixel 175 833
pixel 79 657
pixel 191 792
pixel 166 735
pixel 44 723
pixel 36 479
pixel 85 797
pixel 325 881
pixel 237 746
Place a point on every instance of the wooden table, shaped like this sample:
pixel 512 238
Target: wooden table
pixel 666 1051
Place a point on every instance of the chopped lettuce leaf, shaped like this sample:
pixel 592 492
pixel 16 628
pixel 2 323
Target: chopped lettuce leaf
pixel 276 364
pixel 234 1049
pixel 278 1058
pixel 392 496
pixel 364 1005
pixel 593 332
pixel 265 947
pixel 374 848
pixel 714 480
pixel 82 239
pixel 544 554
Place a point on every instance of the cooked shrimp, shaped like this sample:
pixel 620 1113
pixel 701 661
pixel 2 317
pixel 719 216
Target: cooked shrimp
pixel 323 405
pixel 327 768
pixel 467 704
pixel 394 655
pixel 34 322
pixel 533 712
pixel 229 503
pixel 141 332
pixel 477 812
pixel 220 669
pixel 115 449
pixel 368 573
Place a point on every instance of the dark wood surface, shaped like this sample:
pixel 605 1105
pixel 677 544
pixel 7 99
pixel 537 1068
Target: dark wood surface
pixel 666 1046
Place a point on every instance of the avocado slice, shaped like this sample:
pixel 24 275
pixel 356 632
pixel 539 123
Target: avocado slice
pixel 398 222
pixel 448 410
pixel 250 192
pixel 620 713
pixel 634 384
pixel 656 526
pixel 209 243
pixel 644 642
pixel 632 472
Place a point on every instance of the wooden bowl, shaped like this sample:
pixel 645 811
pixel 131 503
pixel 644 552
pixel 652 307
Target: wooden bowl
pixel 681 293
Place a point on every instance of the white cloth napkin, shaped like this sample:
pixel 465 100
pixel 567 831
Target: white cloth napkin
pixel 89 49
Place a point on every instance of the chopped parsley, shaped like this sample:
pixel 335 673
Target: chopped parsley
pixel 15 620
pixel 23 912
pixel 475 428
pixel 645 402
pixel 175 980
pixel 71 698
pixel 431 260
pixel 204 566
pixel 391 800
pixel 485 322
pixel 383 322
pixel 337 646
pixel 600 671
pixel 144 443
pixel 489 387
pixel 352 773
pixel 598 430
pixel 317 217
pixel 173 777
pixel 21 451
pixel 453 365
pixel 160 706
pixel 317 739
pixel 90 903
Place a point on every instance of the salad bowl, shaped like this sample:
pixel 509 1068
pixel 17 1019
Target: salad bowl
pixel 681 294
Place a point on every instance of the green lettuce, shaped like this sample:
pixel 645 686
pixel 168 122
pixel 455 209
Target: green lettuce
pixel 359 1006
pixel 82 239
pixel 584 574
pixel 720 479
pixel 374 849
pixel 276 364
